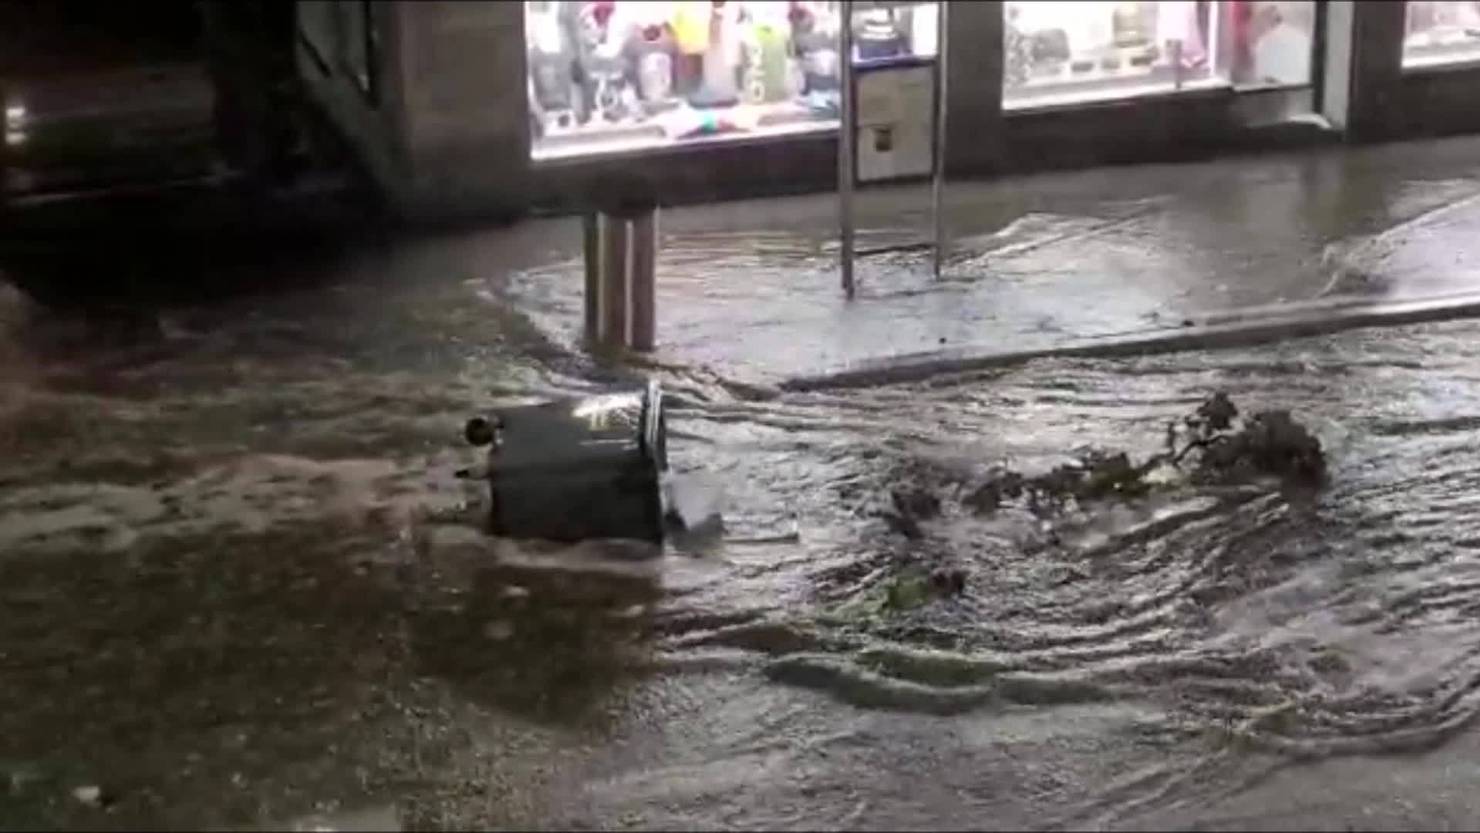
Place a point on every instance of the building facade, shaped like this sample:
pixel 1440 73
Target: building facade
pixel 501 108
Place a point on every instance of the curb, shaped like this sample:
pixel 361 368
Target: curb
pixel 912 367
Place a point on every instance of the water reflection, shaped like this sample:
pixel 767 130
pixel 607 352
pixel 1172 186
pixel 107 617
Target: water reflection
pixel 351 821
pixel 545 640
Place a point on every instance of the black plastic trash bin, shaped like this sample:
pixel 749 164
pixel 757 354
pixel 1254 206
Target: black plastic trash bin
pixel 576 469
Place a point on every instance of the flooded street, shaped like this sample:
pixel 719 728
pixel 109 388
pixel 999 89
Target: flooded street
pixel 242 586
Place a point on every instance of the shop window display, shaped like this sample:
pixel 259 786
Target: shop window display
pixel 623 75
pixel 1070 52
pixel 1272 42
pixel 1440 33
pixel 1078 50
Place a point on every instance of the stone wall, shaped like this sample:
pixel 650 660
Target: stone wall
pixel 462 66
pixel 372 123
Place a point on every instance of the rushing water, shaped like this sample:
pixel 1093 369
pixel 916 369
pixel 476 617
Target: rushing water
pixel 241 586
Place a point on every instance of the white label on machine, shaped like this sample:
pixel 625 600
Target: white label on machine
pixel 895 115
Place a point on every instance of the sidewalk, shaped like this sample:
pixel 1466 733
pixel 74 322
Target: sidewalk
pixel 1110 256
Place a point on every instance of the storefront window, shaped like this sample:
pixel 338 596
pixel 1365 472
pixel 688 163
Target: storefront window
pixel 1069 52
pixel 1440 33
pixel 1272 42
pixel 619 75
pixel 1073 51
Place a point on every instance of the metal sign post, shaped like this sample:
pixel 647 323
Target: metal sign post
pixel 938 175
pixel 847 138
pixel 903 128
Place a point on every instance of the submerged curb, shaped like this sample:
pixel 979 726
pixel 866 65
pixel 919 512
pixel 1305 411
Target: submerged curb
pixel 1302 323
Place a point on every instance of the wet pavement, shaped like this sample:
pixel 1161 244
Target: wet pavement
pixel 243 588
pixel 1045 261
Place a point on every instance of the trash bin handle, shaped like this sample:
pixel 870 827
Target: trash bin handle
pixel 651 422
pixel 481 431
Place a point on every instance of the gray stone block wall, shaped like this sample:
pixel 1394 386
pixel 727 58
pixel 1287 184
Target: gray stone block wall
pixel 466 106
pixel 375 128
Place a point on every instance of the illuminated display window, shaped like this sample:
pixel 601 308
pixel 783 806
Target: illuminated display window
pixel 1073 51
pixel 1271 43
pixel 622 75
pixel 1439 33
pixel 1067 52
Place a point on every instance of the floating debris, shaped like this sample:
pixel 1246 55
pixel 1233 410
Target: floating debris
pixel 498 630
pixel 948 581
pixel 907 592
pixel 915 503
pixel 1269 443
pixel 1213 444
pixel 90 794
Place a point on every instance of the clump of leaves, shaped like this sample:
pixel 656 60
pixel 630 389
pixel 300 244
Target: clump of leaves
pixel 1213 442
pixel 910 507
pixel 1268 443
pixel 1095 475
pixel 915 588
pixel 909 589
pixel 1002 486
pixel 906 591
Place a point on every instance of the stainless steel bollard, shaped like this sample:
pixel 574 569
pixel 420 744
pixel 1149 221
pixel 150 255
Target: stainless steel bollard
pixel 643 244
pixel 614 277
pixel 591 250
pixel 621 251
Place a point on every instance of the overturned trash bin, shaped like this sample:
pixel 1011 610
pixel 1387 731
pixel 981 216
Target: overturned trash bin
pixel 576 469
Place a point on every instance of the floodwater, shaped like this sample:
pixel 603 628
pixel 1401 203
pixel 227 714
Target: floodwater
pixel 241 587
pixel 1037 261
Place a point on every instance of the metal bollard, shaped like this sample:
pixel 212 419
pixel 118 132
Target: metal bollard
pixel 591 247
pixel 644 246
pixel 621 250
pixel 615 277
